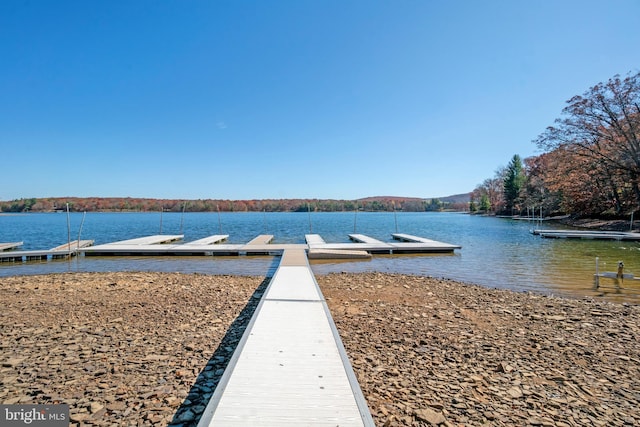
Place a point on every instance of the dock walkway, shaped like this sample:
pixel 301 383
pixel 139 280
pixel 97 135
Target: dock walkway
pixel 72 246
pixel 263 239
pixel 363 247
pixel 290 367
pixel 150 240
pixel 62 251
pixel 361 238
pixel 314 240
pixel 588 234
pixel 211 240
pixel 9 245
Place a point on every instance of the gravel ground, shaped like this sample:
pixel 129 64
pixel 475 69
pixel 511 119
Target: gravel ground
pixel 148 349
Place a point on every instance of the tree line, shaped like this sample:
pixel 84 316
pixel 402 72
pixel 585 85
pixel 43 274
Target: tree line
pixel 591 163
pixel 128 204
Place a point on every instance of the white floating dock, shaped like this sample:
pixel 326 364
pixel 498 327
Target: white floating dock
pixel 361 238
pixel 588 234
pixel 72 246
pixel 263 239
pixel 9 245
pixel 211 240
pixel 262 245
pixel 337 254
pixel 150 240
pixel 290 367
pixel 314 240
pixel 62 251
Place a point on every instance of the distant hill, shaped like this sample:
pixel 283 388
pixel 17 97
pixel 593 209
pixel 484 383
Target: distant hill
pixel 390 199
pixel 458 202
pixel 456 198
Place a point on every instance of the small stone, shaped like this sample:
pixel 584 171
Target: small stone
pixel 13 362
pixel 504 367
pixel 430 416
pixel 117 406
pixel 95 407
pixel 515 392
pixel 186 416
pixel 79 417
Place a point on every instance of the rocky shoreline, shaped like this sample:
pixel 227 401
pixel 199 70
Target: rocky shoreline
pixel 601 224
pixel 147 349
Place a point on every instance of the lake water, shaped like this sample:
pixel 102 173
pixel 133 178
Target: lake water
pixel 496 252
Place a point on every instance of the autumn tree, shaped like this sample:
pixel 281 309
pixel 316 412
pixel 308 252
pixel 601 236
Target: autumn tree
pixel 603 126
pixel 490 193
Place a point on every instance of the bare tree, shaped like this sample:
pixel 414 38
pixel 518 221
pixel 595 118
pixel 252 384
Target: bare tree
pixel 603 124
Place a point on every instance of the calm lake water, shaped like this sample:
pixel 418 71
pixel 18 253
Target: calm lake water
pixel 495 252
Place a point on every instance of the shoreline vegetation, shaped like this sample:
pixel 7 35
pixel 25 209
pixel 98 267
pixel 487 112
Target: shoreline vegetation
pixel 459 202
pixel 148 349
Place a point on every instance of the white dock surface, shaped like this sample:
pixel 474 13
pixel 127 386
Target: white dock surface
pixel 588 234
pixel 263 239
pixel 149 240
pixel 361 238
pixel 290 368
pixel 72 246
pixel 211 240
pixel 9 245
pixel 314 239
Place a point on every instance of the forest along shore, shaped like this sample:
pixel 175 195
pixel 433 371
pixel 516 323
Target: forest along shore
pixel 149 348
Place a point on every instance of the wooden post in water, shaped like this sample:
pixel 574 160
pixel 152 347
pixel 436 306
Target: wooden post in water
pixel 219 221
pixel 309 212
pixel 620 275
pixel 161 211
pixel 596 279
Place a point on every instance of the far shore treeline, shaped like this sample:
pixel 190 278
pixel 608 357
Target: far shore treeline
pixel 591 164
pixel 129 204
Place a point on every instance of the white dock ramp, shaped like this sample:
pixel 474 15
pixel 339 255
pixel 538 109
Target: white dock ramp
pixel 290 367
pixel 211 240
pixel 361 238
pixel 150 240
pixel 9 245
pixel 314 240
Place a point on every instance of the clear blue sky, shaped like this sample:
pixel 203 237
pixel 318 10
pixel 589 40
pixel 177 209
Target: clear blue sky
pixel 290 99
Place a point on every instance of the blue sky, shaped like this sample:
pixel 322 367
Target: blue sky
pixel 290 99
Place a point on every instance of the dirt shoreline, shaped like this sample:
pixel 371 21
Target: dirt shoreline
pixel 147 349
pixel 601 224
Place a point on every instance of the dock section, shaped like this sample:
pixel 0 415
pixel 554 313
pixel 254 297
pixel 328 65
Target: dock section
pixel 290 367
pixel 9 246
pixel 314 240
pixel 156 239
pixel 361 238
pixel 69 249
pixel 416 242
pixel 588 234
pixel 63 251
pixel 148 245
pixel 263 239
pixel 211 240
pixel 361 247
